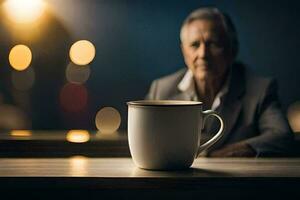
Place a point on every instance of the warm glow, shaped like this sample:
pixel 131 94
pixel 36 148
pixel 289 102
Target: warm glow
pixel 24 11
pixel 20 57
pixel 77 74
pixel 20 133
pixel 78 136
pixel 82 52
pixel 78 166
pixel 23 80
pixel 108 120
pixel 294 116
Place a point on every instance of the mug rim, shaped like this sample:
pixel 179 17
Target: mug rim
pixel 164 103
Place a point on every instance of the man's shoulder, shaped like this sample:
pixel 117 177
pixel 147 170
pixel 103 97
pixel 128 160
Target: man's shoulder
pixel 166 86
pixel 171 79
pixel 256 85
pixel 256 80
pixel 252 78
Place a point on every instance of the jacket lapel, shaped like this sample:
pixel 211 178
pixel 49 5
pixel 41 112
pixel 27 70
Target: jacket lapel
pixel 231 107
pixel 229 114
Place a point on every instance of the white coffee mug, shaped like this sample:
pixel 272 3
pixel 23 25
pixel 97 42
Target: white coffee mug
pixel 166 134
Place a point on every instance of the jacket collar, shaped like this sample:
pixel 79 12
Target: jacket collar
pixel 187 86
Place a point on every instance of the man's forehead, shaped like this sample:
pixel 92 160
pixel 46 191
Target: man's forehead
pixel 204 27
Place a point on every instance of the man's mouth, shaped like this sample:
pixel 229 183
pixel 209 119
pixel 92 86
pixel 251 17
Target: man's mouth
pixel 203 65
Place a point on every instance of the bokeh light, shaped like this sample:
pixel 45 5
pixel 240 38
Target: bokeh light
pixel 78 136
pixel 20 133
pixel 20 57
pixel 108 120
pixel 11 117
pixel 294 116
pixel 24 11
pixel 82 52
pixel 73 97
pixel 77 74
pixel 23 80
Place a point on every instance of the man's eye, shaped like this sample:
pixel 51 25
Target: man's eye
pixel 195 45
pixel 214 45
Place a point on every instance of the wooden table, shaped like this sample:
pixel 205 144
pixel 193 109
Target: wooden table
pixel 46 165
pixel 103 178
pixel 42 144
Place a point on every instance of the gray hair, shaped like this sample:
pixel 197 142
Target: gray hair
pixel 211 13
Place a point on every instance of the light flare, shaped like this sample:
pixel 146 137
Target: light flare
pixel 24 11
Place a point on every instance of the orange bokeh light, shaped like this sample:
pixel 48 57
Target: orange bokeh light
pixel 78 136
pixel 20 57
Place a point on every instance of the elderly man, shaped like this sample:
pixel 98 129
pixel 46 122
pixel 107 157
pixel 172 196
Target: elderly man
pixel 254 123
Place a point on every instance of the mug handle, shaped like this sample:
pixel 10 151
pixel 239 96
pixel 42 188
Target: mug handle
pixel 217 136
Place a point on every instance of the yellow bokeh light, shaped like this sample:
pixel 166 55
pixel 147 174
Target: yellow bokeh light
pixel 20 57
pixel 78 136
pixel 82 52
pixel 24 11
pixel 20 133
pixel 108 120
pixel 294 116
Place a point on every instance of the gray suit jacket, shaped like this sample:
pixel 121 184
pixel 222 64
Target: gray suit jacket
pixel 250 110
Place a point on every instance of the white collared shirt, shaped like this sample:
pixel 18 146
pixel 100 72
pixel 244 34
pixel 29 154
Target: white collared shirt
pixel 187 85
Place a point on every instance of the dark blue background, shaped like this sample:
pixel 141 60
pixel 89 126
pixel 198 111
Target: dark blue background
pixel 138 41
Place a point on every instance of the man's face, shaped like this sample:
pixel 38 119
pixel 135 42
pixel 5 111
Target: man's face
pixel 203 48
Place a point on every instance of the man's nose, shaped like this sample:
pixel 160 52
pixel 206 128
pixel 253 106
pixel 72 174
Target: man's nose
pixel 202 51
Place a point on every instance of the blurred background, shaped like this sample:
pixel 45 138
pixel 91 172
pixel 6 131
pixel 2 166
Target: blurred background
pixel 73 64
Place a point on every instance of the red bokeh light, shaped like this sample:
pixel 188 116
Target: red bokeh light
pixel 73 97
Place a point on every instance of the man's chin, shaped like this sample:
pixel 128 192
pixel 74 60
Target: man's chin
pixel 201 74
